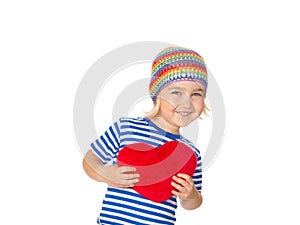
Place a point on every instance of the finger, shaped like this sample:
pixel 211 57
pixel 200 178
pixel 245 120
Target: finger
pixel 128 183
pixel 122 185
pixel 126 169
pixel 187 178
pixel 184 176
pixel 177 186
pixel 180 181
pixel 130 176
pixel 176 193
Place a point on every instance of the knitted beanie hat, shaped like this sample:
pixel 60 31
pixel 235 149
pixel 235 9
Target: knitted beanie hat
pixel 176 64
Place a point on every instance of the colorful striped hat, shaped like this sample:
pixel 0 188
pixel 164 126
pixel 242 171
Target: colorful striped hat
pixel 176 64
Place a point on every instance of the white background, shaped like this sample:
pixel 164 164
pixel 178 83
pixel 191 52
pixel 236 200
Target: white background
pixel 251 47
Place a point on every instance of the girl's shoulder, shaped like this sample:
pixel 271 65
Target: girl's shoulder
pixel 137 120
pixel 132 121
pixel 191 144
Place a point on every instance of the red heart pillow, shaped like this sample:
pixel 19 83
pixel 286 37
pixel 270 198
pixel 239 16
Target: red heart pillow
pixel 157 166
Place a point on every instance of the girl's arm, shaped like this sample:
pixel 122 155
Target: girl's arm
pixel 190 197
pixel 112 175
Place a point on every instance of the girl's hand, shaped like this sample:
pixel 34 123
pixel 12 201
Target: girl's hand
pixel 121 177
pixel 185 187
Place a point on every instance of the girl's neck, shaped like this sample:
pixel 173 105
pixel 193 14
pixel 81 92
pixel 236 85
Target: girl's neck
pixel 163 124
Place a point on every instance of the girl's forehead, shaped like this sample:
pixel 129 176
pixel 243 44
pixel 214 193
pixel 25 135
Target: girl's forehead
pixel 187 85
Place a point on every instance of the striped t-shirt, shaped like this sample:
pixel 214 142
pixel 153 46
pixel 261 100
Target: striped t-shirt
pixel 125 205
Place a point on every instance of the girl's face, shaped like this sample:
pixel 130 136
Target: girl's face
pixel 181 103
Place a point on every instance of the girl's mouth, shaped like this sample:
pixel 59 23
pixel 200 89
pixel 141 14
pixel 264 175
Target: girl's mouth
pixel 184 113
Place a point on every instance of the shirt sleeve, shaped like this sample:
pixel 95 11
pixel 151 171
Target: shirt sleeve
pixel 108 144
pixel 197 177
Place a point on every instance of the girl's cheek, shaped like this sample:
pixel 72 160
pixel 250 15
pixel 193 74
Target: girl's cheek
pixel 171 103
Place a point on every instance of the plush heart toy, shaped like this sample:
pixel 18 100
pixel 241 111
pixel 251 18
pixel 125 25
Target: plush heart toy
pixel 157 166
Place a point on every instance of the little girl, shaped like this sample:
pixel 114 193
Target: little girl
pixel 177 87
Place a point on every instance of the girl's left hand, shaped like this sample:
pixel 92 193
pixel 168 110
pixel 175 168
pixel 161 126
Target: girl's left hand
pixel 184 185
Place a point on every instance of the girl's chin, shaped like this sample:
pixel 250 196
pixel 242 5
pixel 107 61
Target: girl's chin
pixel 183 122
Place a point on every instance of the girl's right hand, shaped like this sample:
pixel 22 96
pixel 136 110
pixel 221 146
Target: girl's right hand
pixel 121 177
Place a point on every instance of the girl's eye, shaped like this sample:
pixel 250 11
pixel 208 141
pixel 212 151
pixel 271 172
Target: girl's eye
pixel 197 94
pixel 176 92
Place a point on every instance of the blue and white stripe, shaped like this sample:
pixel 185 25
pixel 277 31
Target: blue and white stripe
pixel 125 205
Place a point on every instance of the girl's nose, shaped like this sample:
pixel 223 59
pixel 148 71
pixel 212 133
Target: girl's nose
pixel 186 101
